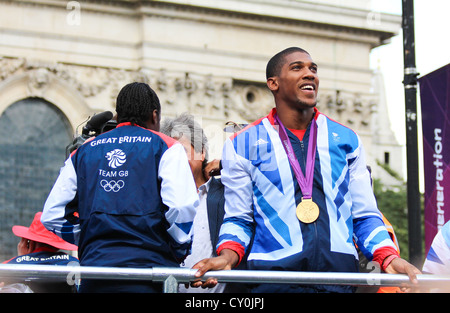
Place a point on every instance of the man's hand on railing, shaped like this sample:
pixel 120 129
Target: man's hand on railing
pixel 225 261
pixel 401 266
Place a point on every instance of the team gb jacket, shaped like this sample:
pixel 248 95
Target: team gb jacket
pixel 261 195
pixel 126 198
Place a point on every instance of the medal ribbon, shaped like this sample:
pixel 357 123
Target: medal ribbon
pixel 305 181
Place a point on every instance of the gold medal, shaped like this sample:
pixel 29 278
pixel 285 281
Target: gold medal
pixel 307 211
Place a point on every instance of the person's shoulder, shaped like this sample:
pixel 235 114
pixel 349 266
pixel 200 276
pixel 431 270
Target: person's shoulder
pixel 337 130
pixel 248 128
pixel 334 123
pixel 169 141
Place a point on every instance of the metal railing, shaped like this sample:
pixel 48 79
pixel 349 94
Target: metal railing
pixel 171 277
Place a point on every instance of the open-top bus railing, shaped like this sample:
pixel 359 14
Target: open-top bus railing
pixel 171 276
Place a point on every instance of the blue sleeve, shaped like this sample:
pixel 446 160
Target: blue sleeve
pixel 368 227
pixel 179 194
pixel 238 221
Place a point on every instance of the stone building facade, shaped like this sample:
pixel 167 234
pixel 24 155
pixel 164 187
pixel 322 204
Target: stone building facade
pixel 63 61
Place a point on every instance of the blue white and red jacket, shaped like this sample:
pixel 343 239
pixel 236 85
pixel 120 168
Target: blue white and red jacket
pixel 261 195
pixel 45 256
pixel 438 257
pixel 126 198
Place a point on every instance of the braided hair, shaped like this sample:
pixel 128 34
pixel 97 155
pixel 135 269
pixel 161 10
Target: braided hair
pixel 135 104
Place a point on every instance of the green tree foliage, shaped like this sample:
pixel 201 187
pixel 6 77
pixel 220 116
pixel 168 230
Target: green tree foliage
pixel 392 202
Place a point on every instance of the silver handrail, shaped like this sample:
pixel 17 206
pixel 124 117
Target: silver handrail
pixel 171 276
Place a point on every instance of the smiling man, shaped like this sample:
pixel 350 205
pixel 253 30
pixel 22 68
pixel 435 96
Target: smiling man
pixel 296 183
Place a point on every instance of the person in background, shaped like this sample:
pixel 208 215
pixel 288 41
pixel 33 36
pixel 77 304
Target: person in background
pixel 38 246
pixel 210 211
pixel 127 197
pixel 438 257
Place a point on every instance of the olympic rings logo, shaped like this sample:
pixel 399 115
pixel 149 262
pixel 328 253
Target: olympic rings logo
pixel 112 185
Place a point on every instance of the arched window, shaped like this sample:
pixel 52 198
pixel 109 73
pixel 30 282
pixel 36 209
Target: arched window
pixel 33 138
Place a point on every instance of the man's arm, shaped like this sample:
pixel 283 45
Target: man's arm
pixel 236 230
pixel 237 227
pixel 372 236
pixel 179 193
pixel 56 208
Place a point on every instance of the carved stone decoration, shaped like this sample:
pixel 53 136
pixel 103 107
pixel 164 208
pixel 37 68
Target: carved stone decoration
pixel 207 95
pixel 89 81
pixel 357 104
pixel 330 104
pixel 340 103
pixel 8 66
pixel 214 98
pixel 141 76
pixel 252 101
pixel 203 95
pixel 189 84
pixel 227 102
pixel 161 81
pixel 38 82
pixel 353 109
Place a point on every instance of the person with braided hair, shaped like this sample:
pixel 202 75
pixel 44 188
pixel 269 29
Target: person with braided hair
pixel 137 102
pixel 127 197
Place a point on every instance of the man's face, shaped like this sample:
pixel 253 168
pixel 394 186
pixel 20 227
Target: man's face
pixel 297 83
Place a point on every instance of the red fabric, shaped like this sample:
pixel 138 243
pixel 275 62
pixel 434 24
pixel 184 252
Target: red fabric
pixel 381 254
pixel 236 247
pixel 272 113
pixel 299 133
pixel 37 232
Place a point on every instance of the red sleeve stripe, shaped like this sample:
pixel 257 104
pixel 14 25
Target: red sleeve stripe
pixel 381 254
pixel 236 247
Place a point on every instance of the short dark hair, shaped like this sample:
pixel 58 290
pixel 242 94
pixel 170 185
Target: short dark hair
pixel 277 61
pixel 135 103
